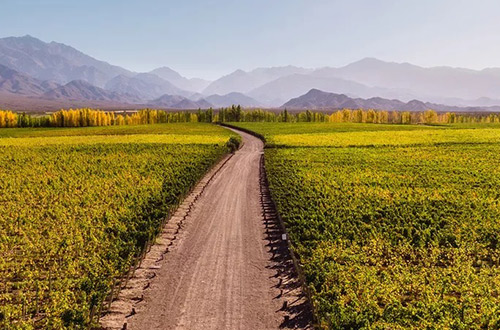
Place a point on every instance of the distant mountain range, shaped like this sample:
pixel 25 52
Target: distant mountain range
pixel 34 72
pixel 179 102
pixel 368 78
pixel 193 84
pixel 77 90
pixel 55 61
pixel 145 86
pixel 14 82
pixel 232 98
pixel 245 82
pixel 454 86
pixel 319 100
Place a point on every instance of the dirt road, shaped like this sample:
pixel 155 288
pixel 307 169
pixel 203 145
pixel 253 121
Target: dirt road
pixel 218 274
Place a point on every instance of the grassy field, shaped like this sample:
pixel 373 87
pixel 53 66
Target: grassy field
pixel 396 227
pixel 77 206
pixel 351 134
pixel 179 129
pixel 273 129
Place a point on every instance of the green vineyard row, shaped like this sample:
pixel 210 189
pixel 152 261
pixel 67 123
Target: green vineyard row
pixel 77 210
pixel 395 228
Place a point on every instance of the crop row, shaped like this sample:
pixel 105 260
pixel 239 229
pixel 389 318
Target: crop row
pixel 75 216
pixel 401 234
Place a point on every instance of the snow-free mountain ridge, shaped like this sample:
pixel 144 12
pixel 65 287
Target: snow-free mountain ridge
pixel 31 68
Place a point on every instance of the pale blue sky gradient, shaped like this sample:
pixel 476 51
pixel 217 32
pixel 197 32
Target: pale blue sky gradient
pixel 214 37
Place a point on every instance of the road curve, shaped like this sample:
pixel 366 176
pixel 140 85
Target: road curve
pixel 218 274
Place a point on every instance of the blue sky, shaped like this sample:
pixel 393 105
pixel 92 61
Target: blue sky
pixel 214 37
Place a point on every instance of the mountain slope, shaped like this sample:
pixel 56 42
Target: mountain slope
pixel 39 67
pixel 79 90
pixel 232 98
pixel 435 84
pixel 243 82
pixel 278 91
pixel 179 102
pixel 316 99
pixel 143 86
pixel 193 84
pixel 12 81
pixel 55 61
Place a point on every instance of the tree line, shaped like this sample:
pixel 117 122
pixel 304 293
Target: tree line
pixel 236 114
pixel 91 117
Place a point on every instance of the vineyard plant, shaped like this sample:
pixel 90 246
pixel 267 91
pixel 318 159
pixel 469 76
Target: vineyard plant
pixel 78 205
pixel 396 227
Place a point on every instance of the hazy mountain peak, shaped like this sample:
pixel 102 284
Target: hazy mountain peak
pixel 179 102
pixel 29 37
pixel 279 69
pixel 146 86
pixel 166 73
pixel 54 61
pixel 368 60
pixel 314 91
pixel 282 89
pixel 317 99
pixel 172 76
pixel 232 98
pixel 243 82
pixel 238 72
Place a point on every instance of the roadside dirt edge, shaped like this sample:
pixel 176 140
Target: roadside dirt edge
pixel 122 307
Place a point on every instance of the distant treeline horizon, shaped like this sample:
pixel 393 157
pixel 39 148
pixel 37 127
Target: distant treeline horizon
pixel 87 117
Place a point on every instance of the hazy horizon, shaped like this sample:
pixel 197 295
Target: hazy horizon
pixel 208 39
